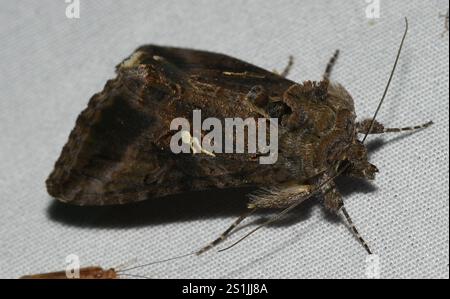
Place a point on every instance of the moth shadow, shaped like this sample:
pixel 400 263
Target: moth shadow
pixel 376 144
pixel 186 207
pixel 153 211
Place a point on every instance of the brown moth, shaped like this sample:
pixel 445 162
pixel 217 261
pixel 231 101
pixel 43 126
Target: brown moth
pixel 93 272
pixel 97 272
pixel 119 150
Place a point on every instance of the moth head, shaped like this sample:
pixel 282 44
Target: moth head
pixel 359 166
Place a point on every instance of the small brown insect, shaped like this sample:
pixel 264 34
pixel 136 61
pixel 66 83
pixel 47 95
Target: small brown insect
pixel 93 272
pixel 96 272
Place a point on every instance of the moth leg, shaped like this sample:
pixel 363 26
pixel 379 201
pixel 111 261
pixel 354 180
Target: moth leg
pixel 364 126
pixel 333 202
pixel 330 65
pixel 279 197
pixel 287 68
pixel 226 232
pixel 269 198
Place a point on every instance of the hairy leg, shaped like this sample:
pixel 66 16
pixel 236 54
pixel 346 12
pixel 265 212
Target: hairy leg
pixel 333 202
pixel 270 198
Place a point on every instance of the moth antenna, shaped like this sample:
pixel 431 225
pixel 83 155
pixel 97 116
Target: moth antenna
pixel 389 81
pixel 355 231
pixel 155 262
pixel 125 264
pixel 288 209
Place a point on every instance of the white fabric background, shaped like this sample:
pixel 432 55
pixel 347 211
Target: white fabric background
pixel 51 65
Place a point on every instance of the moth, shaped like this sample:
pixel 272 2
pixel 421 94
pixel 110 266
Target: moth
pixel 97 272
pixel 119 151
pixel 92 272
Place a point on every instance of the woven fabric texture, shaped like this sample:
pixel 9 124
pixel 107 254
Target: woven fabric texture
pixel 51 65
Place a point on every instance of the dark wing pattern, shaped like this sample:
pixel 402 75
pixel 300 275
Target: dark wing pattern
pixel 225 71
pixel 119 151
